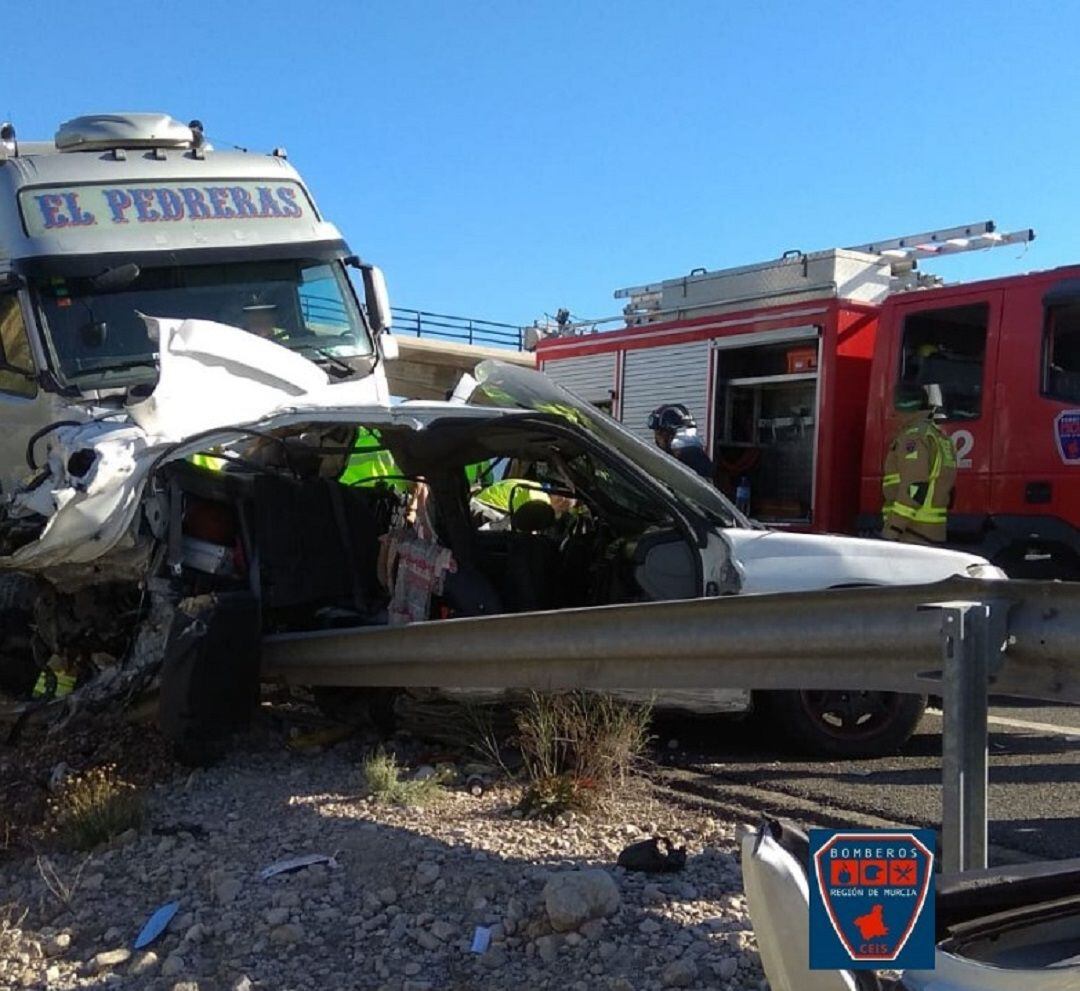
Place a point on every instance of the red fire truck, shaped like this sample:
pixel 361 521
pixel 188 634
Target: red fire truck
pixel 798 372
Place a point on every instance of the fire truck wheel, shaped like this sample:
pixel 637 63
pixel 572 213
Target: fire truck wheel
pixel 845 723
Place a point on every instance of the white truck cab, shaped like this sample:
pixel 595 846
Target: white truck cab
pixel 130 215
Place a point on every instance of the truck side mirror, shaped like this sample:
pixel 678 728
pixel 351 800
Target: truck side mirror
pixel 389 345
pixel 376 298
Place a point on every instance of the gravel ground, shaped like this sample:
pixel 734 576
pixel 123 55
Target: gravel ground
pixel 399 908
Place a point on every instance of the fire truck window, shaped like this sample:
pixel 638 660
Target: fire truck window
pixel 945 348
pixel 1063 353
pixel 16 349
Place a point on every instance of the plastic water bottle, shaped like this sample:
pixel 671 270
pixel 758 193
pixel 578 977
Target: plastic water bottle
pixel 742 495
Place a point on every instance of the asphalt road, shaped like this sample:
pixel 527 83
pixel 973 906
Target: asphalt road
pixel 1034 795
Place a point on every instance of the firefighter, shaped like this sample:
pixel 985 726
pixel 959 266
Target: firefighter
pixel 675 432
pixel 510 494
pixel 918 479
pixel 371 463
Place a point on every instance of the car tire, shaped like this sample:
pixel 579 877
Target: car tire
pixel 846 724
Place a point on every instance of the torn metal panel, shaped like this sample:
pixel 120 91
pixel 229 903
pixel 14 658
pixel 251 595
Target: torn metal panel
pixel 213 377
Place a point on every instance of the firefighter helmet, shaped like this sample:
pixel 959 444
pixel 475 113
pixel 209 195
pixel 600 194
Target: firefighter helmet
pixel 672 417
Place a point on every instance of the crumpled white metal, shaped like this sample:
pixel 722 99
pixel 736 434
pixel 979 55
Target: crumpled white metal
pixel 212 376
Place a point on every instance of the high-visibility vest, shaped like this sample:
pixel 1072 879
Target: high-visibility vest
pixel 209 461
pixel 371 463
pixel 511 494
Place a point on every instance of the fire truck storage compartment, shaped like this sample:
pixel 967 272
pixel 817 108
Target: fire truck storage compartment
pixel 766 426
pixel 592 377
pixel 674 373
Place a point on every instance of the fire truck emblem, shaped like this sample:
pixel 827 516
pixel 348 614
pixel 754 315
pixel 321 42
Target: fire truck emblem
pixel 1067 433
pixel 871 899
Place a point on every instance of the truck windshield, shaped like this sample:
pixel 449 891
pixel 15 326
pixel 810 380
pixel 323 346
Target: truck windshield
pixel 95 329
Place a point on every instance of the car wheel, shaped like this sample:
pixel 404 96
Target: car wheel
pixel 845 723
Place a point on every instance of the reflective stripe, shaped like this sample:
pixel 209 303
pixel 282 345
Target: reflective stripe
pixel 920 514
pixel 208 461
pixel 890 479
pixel 65 684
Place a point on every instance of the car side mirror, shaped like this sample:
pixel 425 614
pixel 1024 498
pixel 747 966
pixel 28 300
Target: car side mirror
pixel 388 344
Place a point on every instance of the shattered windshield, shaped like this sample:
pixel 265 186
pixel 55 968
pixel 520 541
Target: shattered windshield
pixel 95 330
pixel 513 387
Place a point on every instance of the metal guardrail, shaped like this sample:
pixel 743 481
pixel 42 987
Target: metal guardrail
pixel 465 330
pixel 870 638
pixel 961 638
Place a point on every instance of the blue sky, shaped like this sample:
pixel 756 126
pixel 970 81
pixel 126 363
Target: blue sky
pixel 502 159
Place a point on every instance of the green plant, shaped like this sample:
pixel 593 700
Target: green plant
pixel 382 775
pixel 11 933
pixel 578 749
pixel 94 807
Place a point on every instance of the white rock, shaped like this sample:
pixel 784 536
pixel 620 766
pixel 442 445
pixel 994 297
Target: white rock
pixel 111 958
pixel 55 945
pixel 144 963
pixel 575 897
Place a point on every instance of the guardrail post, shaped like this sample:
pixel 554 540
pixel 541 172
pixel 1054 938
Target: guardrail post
pixel 967 654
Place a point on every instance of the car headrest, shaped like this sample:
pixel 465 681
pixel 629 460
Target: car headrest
pixel 532 516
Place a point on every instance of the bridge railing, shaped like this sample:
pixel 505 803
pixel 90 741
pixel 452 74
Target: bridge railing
pixel 464 330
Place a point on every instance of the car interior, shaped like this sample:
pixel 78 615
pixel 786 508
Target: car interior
pixel 274 517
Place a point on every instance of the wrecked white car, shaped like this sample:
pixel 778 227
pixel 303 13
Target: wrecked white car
pixel 141 549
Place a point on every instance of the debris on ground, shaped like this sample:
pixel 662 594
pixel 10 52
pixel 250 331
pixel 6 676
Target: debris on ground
pixel 458 894
pixel 655 856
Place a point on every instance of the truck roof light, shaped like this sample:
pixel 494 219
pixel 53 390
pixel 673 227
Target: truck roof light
pixel 8 144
